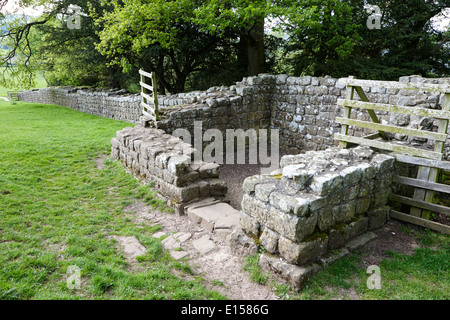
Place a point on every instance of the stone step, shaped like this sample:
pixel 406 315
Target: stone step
pixel 220 218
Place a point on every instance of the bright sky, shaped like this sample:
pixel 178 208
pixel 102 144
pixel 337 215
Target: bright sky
pixel 13 7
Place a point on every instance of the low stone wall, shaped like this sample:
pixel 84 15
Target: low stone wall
pixel 315 204
pixel 302 108
pixel 166 161
pixel 114 104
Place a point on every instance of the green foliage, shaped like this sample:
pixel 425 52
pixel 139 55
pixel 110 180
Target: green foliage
pixel 251 264
pixel 335 40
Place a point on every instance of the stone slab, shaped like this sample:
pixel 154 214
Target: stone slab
pixel 204 245
pixel 178 255
pixel 218 215
pixel 131 246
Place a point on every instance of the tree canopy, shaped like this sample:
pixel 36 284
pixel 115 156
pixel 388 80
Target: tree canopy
pixel 197 44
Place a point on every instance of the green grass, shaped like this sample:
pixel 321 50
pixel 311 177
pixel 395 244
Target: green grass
pixel 39 83
pixel 57 210
pixel 424 275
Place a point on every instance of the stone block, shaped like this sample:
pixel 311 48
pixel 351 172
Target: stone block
pixel 178 164
pixel 263 191
pixel 269 240
pixel 293 275
pixel 303 252
pixel 338 236
pixel 288 225
pixel 248 223
pixel 289 204
pixel 241 244
pixel 351 176
pixel 250 182
pixel 358 226
pixel 218 187
pixel 377 217
pixel 325 218
pixel 326 183
pixel 209 170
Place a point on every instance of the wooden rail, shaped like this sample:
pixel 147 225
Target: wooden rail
pixel 429 162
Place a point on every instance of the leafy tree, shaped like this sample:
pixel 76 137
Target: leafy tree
pixel 335 40
pixel 160 36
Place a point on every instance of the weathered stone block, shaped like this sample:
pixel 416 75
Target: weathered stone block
pixel 178 164
pixel 293 275
pixel 377 217
pixel 249 183
pixel 338 236
pixel 218 187
pixel 209 170
pixel 269 240
pixel 248 223
pixel 289 204
pixel 324 184
pixel 303 252
pixel 263 191
pixel 358 226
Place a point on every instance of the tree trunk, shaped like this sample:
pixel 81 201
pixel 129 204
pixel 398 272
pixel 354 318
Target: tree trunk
pixel 255 49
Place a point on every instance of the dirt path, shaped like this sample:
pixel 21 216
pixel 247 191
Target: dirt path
pixel 218 266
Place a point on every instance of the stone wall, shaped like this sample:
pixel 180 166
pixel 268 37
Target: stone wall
pixel 302 108
pixel 166 161
pixel 113 104
pixel 315 204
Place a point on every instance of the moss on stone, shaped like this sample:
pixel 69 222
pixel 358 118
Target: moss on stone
pixel 278 176
pixel 315 236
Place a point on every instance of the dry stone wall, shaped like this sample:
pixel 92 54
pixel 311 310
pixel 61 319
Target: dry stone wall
pixel 317 203
pixel 302 108
pixel 167 162
pixel 114 104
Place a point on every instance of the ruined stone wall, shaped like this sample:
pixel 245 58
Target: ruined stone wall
pixel 109 104
pixel 166 161
pixel 315 205
pixel 302 108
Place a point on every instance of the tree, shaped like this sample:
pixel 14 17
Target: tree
pixel 335 40
pixel 161 36
pixel 67 55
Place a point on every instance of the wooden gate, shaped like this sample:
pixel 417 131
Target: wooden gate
pixel 429 161
pixel 148 86
pixel 12 95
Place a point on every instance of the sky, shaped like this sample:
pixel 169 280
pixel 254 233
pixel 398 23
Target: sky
pixel 13 7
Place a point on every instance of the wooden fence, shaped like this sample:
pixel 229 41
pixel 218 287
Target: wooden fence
pixel 149 86
pixel 429 161
pixel 12 95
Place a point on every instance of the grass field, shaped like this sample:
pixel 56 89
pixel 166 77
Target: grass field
pixel 58 210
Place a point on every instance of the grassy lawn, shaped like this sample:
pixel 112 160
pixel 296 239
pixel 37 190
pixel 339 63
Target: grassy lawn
pixel 58 210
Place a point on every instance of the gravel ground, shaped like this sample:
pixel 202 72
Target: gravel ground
pixel 235 174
